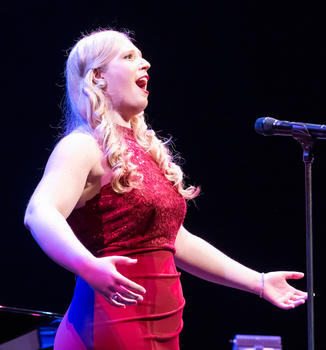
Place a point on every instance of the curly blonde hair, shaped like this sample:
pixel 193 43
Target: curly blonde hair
pixel 87 106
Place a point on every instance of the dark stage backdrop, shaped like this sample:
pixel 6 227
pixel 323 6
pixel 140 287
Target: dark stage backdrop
pixel 215 70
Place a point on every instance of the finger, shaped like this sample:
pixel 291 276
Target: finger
pixel 130 285
pixel 114 302
pixel 286 306
pixel 295 303
pixel 117 304
pixel 296 299
pixel 119 300
pixel 300 295
pixel 290 304
pixel 124 300
pixel 123 260
pixel 129 294
pixel 299 301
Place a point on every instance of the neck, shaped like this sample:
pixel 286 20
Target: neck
pixel 119 120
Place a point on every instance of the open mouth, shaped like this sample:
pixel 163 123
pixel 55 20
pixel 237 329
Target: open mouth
pixel 142 83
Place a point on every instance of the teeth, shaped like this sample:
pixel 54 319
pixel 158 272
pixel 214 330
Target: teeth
pixel 142 82
pixel 143 78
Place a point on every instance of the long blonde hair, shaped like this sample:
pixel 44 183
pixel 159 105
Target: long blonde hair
pixel 88 106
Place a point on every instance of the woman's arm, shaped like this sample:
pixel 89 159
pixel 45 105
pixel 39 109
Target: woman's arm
pixel 60 188
pixel 55 197
pixel 201 259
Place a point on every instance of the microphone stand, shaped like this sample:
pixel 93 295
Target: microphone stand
pixel 301 134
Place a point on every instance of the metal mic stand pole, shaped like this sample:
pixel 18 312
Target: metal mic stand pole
pixel 306 141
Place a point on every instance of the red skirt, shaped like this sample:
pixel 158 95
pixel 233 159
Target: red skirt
pixel 91 323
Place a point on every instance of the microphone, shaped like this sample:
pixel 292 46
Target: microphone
pixel 270 126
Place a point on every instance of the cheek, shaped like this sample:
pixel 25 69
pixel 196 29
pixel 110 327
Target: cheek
pixel 118 85
pixel 122 94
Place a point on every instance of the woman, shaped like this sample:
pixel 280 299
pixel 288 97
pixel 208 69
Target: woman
pixel 110 208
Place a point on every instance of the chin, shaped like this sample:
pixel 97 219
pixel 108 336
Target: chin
pixel 132 112
pixel 141 107
pixel 144 106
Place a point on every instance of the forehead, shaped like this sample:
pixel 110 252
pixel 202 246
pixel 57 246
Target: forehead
pixel 124 44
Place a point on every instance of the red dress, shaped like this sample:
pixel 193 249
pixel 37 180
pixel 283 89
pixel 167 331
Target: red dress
pixel 141 224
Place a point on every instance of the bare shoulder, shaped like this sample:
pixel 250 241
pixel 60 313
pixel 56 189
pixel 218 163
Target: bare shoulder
pixel 77 150
pixel 74 164
pixel 79 145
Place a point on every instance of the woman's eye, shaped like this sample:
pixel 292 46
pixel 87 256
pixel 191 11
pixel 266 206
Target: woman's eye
pixel 129 56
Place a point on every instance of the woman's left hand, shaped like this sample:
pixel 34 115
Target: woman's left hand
pixel 280 293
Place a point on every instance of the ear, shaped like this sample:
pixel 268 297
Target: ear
pixel 98 78
pixel 97 73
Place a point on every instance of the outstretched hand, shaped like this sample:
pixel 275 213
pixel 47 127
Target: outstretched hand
pixel 278 292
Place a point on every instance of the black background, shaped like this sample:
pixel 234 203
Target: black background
pixel 215 69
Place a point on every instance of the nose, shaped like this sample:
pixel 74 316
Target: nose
pixel 144 65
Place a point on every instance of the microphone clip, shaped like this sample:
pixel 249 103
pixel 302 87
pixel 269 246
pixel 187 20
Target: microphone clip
pixel 301 134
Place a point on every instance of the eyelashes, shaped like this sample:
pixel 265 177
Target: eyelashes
pixel 132 54
pixel 129 56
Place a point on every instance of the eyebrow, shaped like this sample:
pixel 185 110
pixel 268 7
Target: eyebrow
pixel 134 51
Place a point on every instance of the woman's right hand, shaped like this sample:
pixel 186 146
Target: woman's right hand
pixel 102 275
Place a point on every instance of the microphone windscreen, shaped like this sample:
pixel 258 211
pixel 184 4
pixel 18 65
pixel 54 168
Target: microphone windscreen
pixel 264 126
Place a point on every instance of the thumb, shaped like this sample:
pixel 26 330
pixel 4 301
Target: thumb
pixel 294 275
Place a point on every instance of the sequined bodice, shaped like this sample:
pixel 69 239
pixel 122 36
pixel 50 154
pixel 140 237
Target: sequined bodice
pixel 143 219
